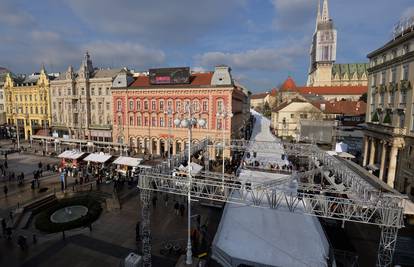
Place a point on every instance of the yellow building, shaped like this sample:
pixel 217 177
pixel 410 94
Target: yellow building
pixel 27 101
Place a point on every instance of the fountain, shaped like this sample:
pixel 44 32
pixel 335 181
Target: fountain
pixel 68 214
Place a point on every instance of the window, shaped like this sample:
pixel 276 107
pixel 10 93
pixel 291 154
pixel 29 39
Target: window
pixel 138 104
pixel 59 92
pixel 219 124
pixel 383 77
pixel 391 98
pixel 93 91
pixel 186 104
pixel 154 122
pixel 27 110
pixel 146 105
pixel 169 104
pixel 161 122
pixel 393 77
pixel 119 120
pixel 406 49
pixel 220 106
pixel 146 121
pixel 131 121
pixel 205 105
pixel 170 124
pixel 21 98
pixel 99 91
pixel 30 97
pixel 161 105
pixel 68 92
pixel 303 116
pixel 394 53
pixel 403 96
pixel 153 105
pixel 37 111
pixel 82 90
pixel 405 71
pixel 196 106
pixel 100 106
pixel 100 120
pixel 107 90
pixel 25 97
pixel 93 106
pixel 41 110
pixel 402 120
pixel 54 106
pixel 177 106
pixel 119 105
pixel 138 120
pixel 292 116
pixel 382 98
pixel 108 106
pixel 131 105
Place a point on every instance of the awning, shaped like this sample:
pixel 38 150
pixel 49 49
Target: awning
pixel 98 157
pixel 128 161
pixel 71 154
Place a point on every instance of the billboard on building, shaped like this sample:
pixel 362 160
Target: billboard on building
pixel 170 75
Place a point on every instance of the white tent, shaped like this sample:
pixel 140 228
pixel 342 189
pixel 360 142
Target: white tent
pixel 195 168
pixel 128 161
pixel 98 157
pixel 341 147
pixel 71 154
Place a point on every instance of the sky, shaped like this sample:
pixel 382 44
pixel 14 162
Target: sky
pixel 263 41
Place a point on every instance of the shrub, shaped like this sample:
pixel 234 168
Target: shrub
pixel 43 222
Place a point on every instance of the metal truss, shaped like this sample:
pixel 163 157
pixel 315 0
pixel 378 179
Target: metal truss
pixel 145 230
pixel 296 198
pixel 355 200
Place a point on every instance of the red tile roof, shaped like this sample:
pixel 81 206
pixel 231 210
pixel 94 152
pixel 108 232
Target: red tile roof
pixel 259 95
pixel 334 90
pixel 196 79
pixel 342 107
pixel 288 85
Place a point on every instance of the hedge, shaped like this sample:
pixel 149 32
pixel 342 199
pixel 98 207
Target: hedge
pixel 43 222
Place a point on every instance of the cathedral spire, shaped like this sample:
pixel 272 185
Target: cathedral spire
pixel 325 11
pixel 318 17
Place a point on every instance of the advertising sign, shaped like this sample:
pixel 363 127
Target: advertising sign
pixel 170 76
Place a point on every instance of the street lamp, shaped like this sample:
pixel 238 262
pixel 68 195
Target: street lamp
pixel 169 112
pixel 189 123
pixel 224 115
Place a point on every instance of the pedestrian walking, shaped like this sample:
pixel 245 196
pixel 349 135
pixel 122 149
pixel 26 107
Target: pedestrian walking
pixel 5 164
pixel 176 208
pixel 166 199
pixel 6 190
pixel 154 201
pixel 11 215
pixel 182 209
pixel 3 226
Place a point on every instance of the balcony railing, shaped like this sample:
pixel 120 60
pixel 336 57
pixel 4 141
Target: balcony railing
pixel 388 129
pixel 405 85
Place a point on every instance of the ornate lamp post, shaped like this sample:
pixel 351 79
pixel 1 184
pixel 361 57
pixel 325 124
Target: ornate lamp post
pixel 189 123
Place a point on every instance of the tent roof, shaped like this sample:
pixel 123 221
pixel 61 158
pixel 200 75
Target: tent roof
pixel 71 154
pixel 128 161
pixel 195 168
pixel 98 157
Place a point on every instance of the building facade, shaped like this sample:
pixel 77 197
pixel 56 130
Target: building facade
pixel 322 70
pixel 82 102
pixel 389 136
pixel 259 100
pixel 144 112
pixel 3 74
pixel 27 102
pixel 285 120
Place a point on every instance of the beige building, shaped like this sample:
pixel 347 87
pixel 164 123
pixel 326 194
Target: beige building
pixel 389 137
pixel 258 100
pixel 82 102
pixel 3 73
pixel 323 71
pixel 27 102
pixel 286 118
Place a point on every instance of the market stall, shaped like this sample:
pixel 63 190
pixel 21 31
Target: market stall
pixel 126 166
pixel 98 165
pixel 71 158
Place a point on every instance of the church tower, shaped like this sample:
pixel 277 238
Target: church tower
pixel 323 49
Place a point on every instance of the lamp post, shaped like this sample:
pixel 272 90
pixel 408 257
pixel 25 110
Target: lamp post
pixel 224 115
pixel 189 123
pixel 17 131
pixel 169 112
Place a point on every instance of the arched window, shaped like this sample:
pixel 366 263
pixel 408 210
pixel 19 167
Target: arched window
pixel 131 105
pixel 119 105
pixel 138 104
pixel 220 107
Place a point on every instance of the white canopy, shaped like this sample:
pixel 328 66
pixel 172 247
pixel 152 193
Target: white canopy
pixel 341 147
pixel 98 157
pixel 128 161
pixel 71 154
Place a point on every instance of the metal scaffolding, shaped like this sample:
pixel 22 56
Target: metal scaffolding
pixel 355 201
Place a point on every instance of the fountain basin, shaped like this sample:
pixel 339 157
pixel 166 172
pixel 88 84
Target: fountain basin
pixel 68 214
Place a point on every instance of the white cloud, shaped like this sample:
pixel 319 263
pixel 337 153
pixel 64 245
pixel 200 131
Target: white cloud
pixel 11 15
pixel 256 59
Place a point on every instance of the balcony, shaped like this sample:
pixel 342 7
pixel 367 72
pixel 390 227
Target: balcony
pixel 100 127
pixel 393 87
pixel 387 129
pixel 382 88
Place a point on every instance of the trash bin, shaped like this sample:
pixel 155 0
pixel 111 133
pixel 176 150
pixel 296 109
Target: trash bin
pixel 133 260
